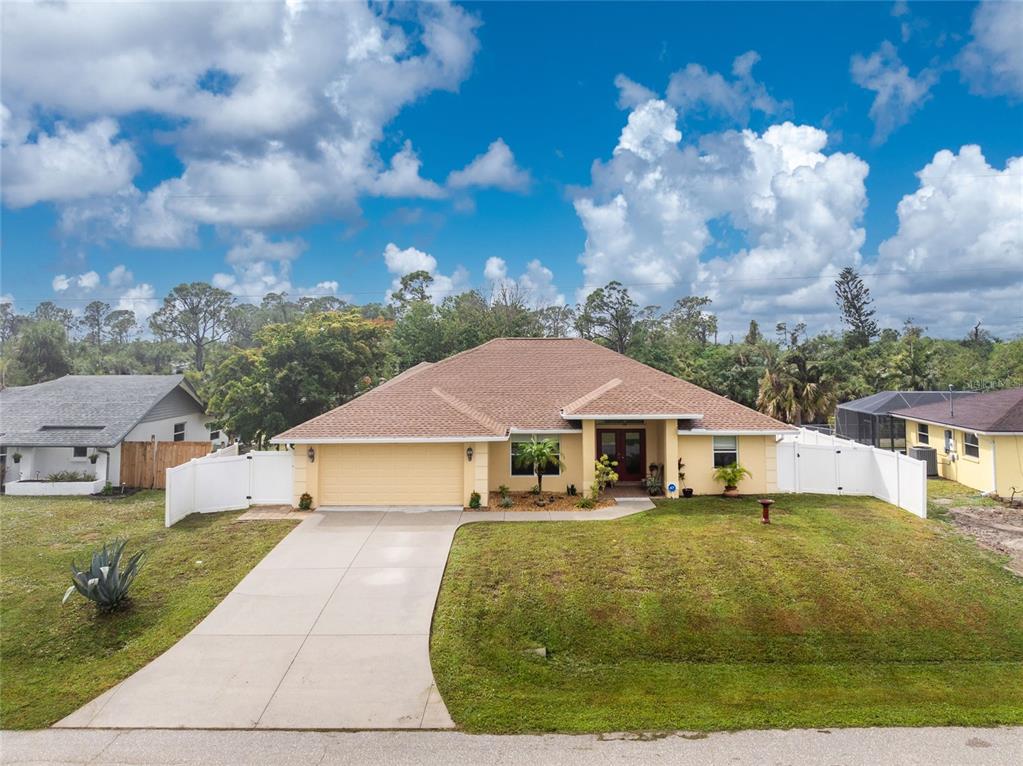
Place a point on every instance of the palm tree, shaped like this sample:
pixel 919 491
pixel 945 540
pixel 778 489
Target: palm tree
pixel 795 389
pixel 539 456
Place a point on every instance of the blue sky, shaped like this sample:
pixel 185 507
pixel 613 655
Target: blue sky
pixel 121 181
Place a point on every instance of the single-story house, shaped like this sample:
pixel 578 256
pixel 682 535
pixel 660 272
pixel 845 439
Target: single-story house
pixel 80 423
pixel 978 439
pixel 440 431
pixel 869 420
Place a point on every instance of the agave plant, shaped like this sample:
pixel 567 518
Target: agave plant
pixel 105 581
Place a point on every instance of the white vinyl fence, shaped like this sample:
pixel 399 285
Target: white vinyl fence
pixel 814 462
pixel 227 483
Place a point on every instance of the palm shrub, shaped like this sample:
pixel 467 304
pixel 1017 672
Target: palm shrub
pixel 539 455
pixel 105 582
pixel 731 475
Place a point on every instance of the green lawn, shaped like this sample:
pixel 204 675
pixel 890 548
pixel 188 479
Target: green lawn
pixel 55 658
pixel 843 612
pixel 960 494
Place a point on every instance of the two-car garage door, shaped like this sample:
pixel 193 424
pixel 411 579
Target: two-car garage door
pixel 391 474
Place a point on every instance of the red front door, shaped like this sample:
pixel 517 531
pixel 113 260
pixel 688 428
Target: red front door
pixel 628 447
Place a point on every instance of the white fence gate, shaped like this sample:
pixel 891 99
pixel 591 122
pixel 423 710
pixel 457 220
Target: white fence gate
pixel 227 483
pixel 828 465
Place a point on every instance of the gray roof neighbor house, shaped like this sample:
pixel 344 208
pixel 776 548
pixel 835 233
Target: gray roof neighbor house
pixel 869 420
pixel 86 410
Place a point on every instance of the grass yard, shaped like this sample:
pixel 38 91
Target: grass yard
pixel 55 658
pixel 843 612
pixel 943 493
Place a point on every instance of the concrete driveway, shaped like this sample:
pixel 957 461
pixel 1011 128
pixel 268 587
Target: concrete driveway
pixel 330 631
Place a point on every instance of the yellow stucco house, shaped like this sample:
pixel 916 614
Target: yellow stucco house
pixel 978 439
pixel 438 432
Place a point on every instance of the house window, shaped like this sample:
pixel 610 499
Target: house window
pixel 726 450
pixel 950 443
pixel 179 432
pixel 214 435
pixel 971 444
pixel 923 434
pixel 79 452
pixel 553 469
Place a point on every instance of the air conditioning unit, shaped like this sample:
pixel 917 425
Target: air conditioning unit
pixel 929 455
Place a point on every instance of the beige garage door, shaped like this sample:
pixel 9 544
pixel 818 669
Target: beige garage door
pixel 391 474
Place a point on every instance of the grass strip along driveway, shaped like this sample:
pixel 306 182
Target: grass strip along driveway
pixel 845 611
pixel 53 657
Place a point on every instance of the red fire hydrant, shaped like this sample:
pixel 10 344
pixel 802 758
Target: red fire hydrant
pixel 766 505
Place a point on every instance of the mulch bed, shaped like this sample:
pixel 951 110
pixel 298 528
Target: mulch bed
pixel 117 493
pixel 553 501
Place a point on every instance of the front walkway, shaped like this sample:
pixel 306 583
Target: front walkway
pixel 330 631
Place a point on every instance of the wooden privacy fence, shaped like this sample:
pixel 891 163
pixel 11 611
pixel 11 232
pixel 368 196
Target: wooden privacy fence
pixel 145 464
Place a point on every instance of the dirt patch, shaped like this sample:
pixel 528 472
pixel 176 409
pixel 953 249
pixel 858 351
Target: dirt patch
pixel 552 501
pixel 998 529
pixel 273 513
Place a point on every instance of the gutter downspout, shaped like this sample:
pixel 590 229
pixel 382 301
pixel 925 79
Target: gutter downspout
pixel 106 465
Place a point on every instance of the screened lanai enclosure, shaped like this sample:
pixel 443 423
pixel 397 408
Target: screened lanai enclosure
pixel 867 420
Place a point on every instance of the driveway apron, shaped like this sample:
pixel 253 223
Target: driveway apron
pixel 330 630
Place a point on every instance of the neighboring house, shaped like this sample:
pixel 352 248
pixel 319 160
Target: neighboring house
pixel 58 425
pixel 869 420
pixel 438 432
pixel 979 438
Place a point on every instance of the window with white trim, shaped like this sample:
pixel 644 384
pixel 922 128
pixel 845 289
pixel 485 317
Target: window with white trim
pixel 79 453
pixel 923 433
pixel 950 442
pixel 726 450
pixel 553 469
pixel 971 444
pixel 179 432
pixel 214 435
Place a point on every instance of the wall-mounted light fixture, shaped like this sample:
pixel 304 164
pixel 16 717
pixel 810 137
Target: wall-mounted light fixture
pixel 312 455
pixel 468 454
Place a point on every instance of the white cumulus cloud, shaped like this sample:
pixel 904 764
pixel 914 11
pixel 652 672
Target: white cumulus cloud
pixel 957 256
pixel 737 216
pixel 992 62
pixel 535 284
pixel 898 93
pixel 401 261
pixel 281 107
pixel 494 168
pixel 67 164
pixel 694 90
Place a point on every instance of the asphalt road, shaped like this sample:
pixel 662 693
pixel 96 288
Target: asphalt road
pixel 837 747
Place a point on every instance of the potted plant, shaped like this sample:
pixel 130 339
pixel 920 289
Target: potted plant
pixel 93 457
pixel 686 491
pixel 730 476
pixel 16 457
pixel 653 484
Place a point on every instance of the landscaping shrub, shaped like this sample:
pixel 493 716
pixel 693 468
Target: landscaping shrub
pixel 105 582
pixel 305 502
pixel 474 500
pixel 68 476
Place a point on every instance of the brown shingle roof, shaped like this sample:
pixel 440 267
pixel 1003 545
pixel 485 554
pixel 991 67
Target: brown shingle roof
pixel 522 384
pixel 994 412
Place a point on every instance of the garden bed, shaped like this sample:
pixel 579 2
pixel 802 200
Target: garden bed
pixel 553 501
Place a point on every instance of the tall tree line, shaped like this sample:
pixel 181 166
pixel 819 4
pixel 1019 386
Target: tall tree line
pixel 266 366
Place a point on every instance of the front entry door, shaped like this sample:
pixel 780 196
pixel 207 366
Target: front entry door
pixel 628 447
